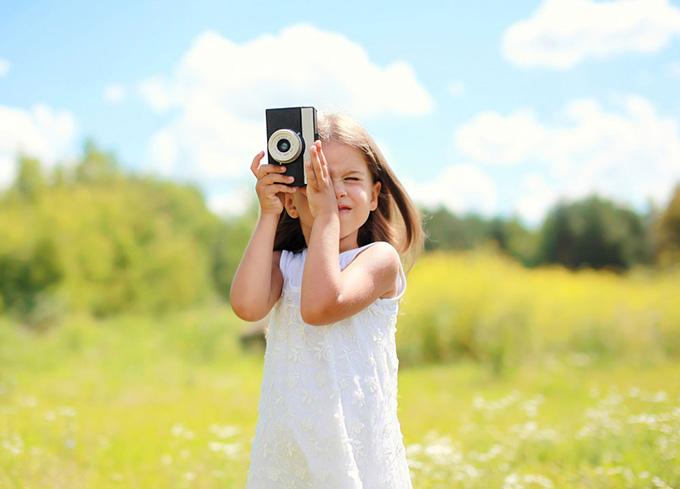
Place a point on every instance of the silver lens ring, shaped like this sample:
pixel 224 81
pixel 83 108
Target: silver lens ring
pixel 291 153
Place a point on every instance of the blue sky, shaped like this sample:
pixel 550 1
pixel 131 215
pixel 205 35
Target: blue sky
pixel 494 107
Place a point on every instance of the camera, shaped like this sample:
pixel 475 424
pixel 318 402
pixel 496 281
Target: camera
pixel 291 132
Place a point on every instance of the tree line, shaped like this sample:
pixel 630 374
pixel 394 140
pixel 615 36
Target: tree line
pixel 91 236
pixel 593 232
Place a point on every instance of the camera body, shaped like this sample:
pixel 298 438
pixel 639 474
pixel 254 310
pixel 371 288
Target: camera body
pixel 291 132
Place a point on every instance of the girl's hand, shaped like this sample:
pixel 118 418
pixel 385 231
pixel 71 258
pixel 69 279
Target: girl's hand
pixel 320 191
pixel 270 185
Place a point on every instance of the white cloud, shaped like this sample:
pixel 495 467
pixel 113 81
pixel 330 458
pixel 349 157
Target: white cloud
pixel 114 93
pixel 206 143
pixel 4 67
pixel 629 155
pixel 155 91
pixel 41 132
pixel 219 90
pixel 498 139
pixel 460 188
pixel 563 33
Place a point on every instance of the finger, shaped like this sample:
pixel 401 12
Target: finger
pixel 318 170
pixel 276 178
pixel 323 164
pixel 256 162
pixel 265 170
pixel 309 170
pixel 281 195
pixel 275 188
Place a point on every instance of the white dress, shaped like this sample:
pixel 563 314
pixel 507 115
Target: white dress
pixel 327 414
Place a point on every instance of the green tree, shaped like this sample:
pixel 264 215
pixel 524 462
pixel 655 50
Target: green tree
pixel 517 240
pixel 593 232
pixel 28 273
pixel 30 182
pixel 229 245
pixel 667 230
pixel 104 241
pixel 447 231
pixel 97 165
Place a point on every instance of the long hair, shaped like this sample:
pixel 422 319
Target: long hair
pixel 395 220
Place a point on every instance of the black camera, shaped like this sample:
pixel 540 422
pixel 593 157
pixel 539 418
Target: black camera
pixel 291 132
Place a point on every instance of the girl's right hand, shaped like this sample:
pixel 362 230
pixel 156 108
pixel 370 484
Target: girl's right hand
pixel 270 185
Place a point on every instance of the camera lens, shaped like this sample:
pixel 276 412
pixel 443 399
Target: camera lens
pixel 283 145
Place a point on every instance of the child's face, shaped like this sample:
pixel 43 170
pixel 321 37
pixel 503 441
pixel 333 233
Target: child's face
pixel 355 192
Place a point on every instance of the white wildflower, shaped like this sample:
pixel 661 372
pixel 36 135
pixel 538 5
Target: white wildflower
pixel 14 445
pixel 180 431
pixel 224 431
pixel 660 483
pixel 516 481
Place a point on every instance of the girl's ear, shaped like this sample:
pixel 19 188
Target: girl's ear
pixel 289 204
pixel 374 195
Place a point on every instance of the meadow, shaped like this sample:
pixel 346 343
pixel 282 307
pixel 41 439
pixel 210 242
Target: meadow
pixel 509 378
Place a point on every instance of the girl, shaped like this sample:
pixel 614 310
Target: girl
pixel 329 267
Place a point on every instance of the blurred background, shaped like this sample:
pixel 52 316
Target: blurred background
pixel 539 338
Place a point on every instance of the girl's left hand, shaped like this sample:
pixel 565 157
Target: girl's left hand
pixel 320 191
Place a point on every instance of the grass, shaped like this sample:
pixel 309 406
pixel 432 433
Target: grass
pixel 537 378
pixel 483 306
pixel 564 425
pixel 171 402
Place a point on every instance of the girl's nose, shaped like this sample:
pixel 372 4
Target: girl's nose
pixel 339 190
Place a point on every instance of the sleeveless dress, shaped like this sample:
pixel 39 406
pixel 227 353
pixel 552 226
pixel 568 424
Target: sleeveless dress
pixel 327 415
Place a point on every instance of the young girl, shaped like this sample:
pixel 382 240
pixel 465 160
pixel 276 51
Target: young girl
pixel 329 265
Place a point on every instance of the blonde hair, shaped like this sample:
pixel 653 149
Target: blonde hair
pixel 395 220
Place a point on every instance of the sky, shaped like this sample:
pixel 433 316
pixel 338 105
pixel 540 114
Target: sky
pixel 497 108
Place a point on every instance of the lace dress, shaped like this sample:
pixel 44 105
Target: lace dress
pixel 327 414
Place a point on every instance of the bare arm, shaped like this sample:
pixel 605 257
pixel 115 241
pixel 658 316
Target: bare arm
pixel 258 281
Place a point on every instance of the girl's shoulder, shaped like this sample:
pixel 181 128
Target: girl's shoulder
pixel 383 259
pixel 376 249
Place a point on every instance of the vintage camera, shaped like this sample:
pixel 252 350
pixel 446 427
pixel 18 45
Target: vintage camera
pixel 291 132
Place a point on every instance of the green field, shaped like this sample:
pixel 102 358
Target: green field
pixel 172 402
pixel 557 380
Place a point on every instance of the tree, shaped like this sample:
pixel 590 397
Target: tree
pixel 229 245
pixel 25 275
pixel 447 231
pixel 517 241
pixel 104 241
pixel 96 165
pixel 593 232
pixel 30 182
pixel 667 230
